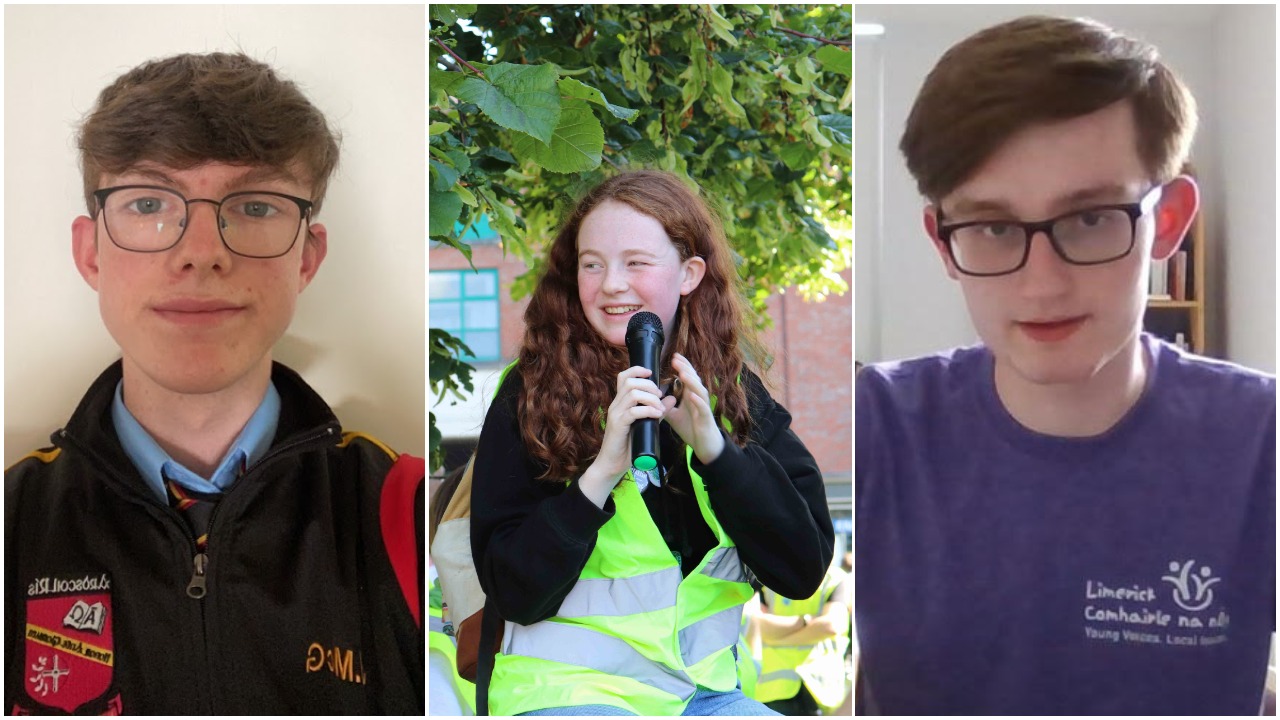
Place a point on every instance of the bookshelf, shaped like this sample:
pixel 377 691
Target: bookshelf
pixel 1176 295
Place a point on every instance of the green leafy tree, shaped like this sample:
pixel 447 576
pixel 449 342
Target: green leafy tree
pixel 532 105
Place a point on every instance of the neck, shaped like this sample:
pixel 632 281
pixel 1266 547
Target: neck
pixel 196 429
pixel 1079 409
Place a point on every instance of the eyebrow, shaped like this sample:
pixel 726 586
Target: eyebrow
pixel 625 253
pixel 1104 194
pixel 262 173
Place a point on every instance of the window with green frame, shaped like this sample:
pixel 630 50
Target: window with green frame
pixel 465 303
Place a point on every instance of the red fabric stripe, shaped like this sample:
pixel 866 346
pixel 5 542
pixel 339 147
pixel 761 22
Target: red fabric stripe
pixel 396 516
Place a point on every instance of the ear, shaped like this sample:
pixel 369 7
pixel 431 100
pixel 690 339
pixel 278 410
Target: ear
pixel 694 270
pixel 314 248
pixel 84 248
pixel 931 228
pixel 1174 214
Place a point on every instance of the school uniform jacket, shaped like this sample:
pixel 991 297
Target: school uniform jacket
pixel 301 611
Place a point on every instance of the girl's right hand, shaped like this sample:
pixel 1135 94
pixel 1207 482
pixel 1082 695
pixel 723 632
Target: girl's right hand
pixel 637 397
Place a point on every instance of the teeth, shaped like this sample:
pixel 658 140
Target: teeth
pixel 621 310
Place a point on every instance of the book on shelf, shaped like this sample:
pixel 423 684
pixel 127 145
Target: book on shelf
pixel 1158 284
pixel 1179 276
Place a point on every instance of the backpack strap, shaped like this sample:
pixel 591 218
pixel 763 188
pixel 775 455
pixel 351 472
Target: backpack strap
pixel 489 626
pixel 399 527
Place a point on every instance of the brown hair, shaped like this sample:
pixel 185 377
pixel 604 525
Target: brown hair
pixel 1041 69
pixel 187 110
pixel 570 371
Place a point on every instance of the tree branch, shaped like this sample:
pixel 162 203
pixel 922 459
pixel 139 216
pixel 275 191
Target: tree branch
pixel 838 43
pixel 456 57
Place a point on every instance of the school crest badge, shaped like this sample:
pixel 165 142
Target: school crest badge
pixel 70 651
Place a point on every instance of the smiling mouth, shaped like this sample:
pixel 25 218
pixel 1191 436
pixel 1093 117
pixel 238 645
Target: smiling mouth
pixel 621 310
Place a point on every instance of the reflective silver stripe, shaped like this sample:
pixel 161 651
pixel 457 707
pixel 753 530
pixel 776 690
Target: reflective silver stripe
pixel 794 647
pixel 573 645
pixel 725 565
pixel 437 625
pixel 778 675
pixel 710 634
pixel 622 596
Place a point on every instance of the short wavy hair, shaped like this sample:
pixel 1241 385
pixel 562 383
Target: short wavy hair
pixel 187 110
pixel 1041 69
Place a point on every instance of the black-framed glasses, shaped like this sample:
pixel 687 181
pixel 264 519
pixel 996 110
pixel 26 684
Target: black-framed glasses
pixel 1091 236
pixel 254 223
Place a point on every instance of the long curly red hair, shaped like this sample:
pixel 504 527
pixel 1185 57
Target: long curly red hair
pixel 570 371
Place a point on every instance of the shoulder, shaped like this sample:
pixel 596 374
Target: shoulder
pixel 915 382
pixel 1207 382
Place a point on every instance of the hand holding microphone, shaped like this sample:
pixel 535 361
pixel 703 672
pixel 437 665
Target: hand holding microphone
pixel 644 346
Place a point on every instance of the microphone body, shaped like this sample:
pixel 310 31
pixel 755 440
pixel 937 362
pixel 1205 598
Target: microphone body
pixel 644 347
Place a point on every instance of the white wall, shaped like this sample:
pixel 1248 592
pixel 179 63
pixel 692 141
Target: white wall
pixel 917 309
pixel 358 336
pixel 1246 75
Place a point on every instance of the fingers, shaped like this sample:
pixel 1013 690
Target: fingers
pixel 688 377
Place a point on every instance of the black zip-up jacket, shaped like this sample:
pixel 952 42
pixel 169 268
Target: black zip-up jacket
pixel 302 612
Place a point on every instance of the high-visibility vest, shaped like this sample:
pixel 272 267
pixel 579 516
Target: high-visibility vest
pixel 748 663
pixel 633 632
pixel 820 666
pixel 447 645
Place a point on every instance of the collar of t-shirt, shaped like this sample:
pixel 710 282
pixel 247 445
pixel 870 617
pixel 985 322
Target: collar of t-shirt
pixel 156 465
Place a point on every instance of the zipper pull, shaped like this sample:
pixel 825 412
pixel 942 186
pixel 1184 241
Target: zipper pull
pixel 196 588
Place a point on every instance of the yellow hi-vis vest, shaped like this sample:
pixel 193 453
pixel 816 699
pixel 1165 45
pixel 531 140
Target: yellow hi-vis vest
pixel 632 633
pixel 819 666
pixel 446 645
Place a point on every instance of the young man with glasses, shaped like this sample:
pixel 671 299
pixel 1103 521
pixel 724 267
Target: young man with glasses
pixel 1072 517
pixel 203 537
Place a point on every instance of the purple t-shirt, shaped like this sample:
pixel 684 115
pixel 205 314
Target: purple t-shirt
pixel 1002 571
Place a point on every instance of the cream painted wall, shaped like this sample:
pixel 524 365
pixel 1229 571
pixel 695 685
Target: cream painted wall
pixel 916 309
pixel 358 335
pixel 1246 73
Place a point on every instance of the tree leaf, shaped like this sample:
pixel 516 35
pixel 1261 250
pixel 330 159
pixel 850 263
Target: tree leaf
pixel 575 146
pixel 517 97
pixel 444 209
pixel 449 14
pixel 841 126
pixel 581 91
pixel 445 176
pixel 836 60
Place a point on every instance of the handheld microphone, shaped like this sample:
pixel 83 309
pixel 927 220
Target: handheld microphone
pixel 644 345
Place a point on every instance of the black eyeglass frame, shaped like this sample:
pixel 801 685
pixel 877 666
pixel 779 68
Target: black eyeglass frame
pixel 304 215
pixel 1134 210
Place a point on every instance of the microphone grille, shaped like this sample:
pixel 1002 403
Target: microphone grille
pixel 642 319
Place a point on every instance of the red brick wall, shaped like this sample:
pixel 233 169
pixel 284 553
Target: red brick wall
pixel 812 375
pixel 510 315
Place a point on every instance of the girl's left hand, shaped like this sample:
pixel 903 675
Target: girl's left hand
pixel 693 421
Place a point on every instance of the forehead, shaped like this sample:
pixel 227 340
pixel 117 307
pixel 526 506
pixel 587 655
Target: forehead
pixel 1044 168
pixel 615 227
pixel 210 177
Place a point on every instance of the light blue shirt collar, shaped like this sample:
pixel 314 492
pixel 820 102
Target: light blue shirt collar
pixel 155 464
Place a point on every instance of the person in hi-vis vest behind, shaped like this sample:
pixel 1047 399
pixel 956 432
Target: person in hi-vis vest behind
pixel 802 670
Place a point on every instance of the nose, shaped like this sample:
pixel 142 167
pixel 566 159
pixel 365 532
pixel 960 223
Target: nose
pixel 615 280
pixel 1045 273
pixel 201 245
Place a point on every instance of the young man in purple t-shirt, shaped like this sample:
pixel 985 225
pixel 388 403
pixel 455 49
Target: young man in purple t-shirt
pixel 1072 517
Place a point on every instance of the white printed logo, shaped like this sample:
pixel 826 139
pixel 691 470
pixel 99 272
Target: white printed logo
pixel 83 616
pixel 1184 581
pixel 44 674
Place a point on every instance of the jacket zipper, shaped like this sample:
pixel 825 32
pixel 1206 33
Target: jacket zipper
pixel 198 586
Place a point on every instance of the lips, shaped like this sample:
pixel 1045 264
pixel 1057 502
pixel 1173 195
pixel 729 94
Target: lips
pixel 620 310
pixel 1052 330
pixel 197 311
